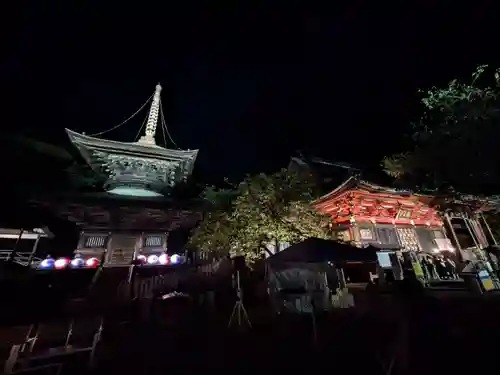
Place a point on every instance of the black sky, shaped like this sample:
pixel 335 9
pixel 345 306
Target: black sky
pixel 248 86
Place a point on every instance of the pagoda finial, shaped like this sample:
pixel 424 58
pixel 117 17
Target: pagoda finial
pixel 149 137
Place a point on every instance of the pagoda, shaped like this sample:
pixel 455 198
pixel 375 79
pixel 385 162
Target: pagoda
pixel 130 220
pixel 138 169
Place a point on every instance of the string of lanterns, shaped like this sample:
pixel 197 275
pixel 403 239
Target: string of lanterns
pixel 61 263
pixel 79 262
pixel 162 259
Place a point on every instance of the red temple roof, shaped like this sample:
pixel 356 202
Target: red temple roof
pixel 362 201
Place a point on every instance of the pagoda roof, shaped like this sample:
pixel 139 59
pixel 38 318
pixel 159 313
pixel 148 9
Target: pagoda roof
pixel 140 168
pixel 87 145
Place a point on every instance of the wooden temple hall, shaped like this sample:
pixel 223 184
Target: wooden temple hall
pixel 401 223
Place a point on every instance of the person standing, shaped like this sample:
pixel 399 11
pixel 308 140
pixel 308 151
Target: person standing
pixel 425 270
pixel 431 269
pixel 452 267
pixel 440 267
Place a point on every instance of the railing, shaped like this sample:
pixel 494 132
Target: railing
pixel 146 288
pixel 48 345
pixel 23 258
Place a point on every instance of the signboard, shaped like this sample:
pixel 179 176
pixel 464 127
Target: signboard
pixel 384 259
pixel 403 213
pixel 486 280
pixel 366 234
pixel 417 268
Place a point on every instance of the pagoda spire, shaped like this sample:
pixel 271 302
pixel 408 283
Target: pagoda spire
pixel 149 137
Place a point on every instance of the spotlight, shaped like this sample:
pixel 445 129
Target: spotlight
pixel 175 259
pixel 61 263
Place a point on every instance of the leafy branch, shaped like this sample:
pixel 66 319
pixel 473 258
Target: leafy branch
pixel 260 214
pixel 454 141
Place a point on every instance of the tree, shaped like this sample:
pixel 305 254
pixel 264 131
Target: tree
pixel 455 140
pixel 35 167
pixel 259 215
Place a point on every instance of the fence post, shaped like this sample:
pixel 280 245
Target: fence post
pixel 12 360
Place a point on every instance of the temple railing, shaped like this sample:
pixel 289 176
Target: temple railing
pixel 23 258
pixel 50 345
pixel 147 287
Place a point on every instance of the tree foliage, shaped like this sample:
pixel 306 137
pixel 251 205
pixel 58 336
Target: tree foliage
pixel 35 167
pixel 455 140
pixel 259 214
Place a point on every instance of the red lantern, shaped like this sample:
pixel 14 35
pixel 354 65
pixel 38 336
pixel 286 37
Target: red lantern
pixel 92 262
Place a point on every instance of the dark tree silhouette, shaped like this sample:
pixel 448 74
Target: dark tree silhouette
pixel 455 140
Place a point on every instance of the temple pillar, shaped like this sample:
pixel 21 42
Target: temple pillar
pixel 463 255
pixel 488 228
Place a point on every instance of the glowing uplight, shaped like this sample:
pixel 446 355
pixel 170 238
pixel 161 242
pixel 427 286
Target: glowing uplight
pixel 436 251
pixel 133 192
pixel 61 263
pixel 163 259
pixel 175 259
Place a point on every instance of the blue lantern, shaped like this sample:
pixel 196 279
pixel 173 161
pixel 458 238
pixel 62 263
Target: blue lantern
pixel 47 263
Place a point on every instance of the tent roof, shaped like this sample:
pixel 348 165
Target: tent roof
pixel 315 250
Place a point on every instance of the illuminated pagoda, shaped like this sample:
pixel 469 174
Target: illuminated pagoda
pixel 132 219
pixel 139 169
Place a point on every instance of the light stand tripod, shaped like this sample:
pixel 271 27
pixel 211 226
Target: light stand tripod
pixel 239 310
pixel 313 316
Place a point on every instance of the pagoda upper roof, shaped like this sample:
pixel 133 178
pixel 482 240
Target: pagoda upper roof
pixel 140 168
pixel 86 144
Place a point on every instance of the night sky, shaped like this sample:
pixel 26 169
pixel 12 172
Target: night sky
pixel 248 86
